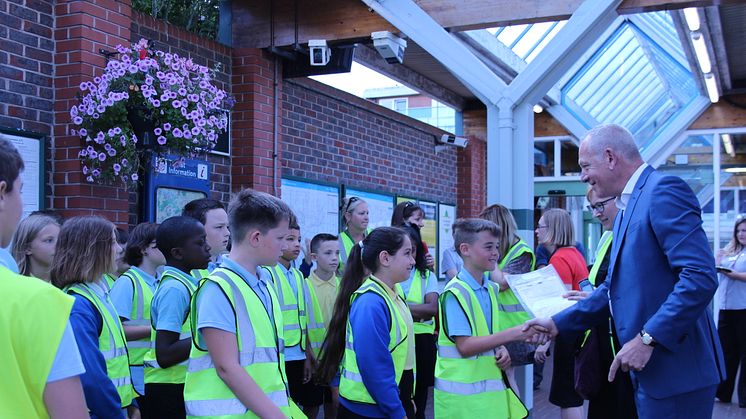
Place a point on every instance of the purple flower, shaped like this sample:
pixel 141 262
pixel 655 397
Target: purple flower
pixel 83 132
pixel 157 131
pixel 187 134
pixel 195 131
pixel 156 103
pixel 112 152
pixel 96 173
pixel 167 126
pixel 117 130
pixel 77 120
pixel 101 156
pixel 161 140
pixel 176 104
pixel 117 168
pixel 177 133
pixel 85 170
pixel 89 179
pixel 182 91
pixel 125 162
pixel 135 177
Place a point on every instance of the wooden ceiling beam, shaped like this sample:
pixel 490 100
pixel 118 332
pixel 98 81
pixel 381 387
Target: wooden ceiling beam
pixel 343 20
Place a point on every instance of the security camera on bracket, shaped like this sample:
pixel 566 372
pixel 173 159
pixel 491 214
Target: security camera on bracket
pixel 390 46
pixel 451 140
pixel 319 53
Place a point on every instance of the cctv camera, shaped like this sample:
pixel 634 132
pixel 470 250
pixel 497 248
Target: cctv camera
pixel 390 46
pixel 448 139
pixel 319 52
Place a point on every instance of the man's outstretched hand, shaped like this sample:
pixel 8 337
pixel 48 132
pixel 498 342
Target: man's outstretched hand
pixel 543 330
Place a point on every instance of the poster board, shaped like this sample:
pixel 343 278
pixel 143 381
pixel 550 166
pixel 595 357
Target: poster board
pixel 171 182
pixel 429 231
pixel 446 217
pixel 31 149
pixel 315 205
pixel 380 206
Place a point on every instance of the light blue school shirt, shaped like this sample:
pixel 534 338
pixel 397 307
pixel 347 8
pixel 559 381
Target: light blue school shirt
pixel 170 303
pixel 292 353
pixel 457 324
pixel 121 296
pixel 122 292
pixel 6 260
pixel 67 361
pixel 214 309
pixel 431 287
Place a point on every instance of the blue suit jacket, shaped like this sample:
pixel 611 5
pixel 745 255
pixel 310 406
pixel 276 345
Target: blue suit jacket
pixel 661 279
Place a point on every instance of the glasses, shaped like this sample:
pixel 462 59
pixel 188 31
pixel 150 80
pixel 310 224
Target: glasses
pixel 599 206
pixel 349 203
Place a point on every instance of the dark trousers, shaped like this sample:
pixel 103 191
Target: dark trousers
pixel 425 348
pixel 732 332
pixel 405 387
pixel 164 401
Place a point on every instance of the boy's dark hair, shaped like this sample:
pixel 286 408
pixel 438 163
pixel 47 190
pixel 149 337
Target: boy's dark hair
pixel 465 230
pixel 50 213
pixel 12 165
pixel 140 238
pixel 122 236
pixel 293 222
pixel 174 232
pixel 320 238
pixel 198 208
pixel 253 209
pixel 403 211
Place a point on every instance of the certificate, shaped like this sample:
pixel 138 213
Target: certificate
pixel 540 292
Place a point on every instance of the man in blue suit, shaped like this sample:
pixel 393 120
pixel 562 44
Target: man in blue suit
pixel 661 280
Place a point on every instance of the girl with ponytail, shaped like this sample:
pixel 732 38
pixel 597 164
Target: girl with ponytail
pixel 370 334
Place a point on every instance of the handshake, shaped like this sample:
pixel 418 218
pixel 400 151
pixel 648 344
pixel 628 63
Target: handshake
pixel 539 331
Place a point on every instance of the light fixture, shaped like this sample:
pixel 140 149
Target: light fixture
pixel 691 15
pixel 736 170
pixel 712 88
pixel 728 145
pixel 538 109
pixel 700 50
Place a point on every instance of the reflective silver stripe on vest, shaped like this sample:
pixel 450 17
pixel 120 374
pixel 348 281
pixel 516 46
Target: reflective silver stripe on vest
pixel 122 381
pixel 247 335
pixel 353 376
pixel 142 322
pixel 466 296
pixel 291 327
pixel 113 353
pixel 226 407
pixel 257 355
pixel 510 308
pixel 139 344
pixel 514 251
pixel 453 353
pixel 140 300
pixel 467 389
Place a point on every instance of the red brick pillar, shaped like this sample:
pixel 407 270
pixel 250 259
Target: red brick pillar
pixel 472 166
pixel 254 158
pixel 83 28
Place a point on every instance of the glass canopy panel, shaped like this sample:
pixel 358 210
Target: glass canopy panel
pixel 527 41
pixel 638 79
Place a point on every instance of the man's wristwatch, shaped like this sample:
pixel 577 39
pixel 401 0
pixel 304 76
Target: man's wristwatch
pixel 647 339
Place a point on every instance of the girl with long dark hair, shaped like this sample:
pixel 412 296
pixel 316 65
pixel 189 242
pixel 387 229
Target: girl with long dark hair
pixel 371 332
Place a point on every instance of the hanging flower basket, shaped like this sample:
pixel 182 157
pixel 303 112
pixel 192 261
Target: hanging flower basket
pixel 152 95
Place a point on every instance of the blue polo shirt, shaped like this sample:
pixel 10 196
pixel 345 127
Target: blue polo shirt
pixel 457 324
pixel 170 304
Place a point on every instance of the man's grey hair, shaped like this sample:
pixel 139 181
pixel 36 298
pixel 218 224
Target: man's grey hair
pixel 613 137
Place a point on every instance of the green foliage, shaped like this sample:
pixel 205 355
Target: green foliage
pixel 200 16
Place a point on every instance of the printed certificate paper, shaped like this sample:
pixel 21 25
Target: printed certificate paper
pixel 540 292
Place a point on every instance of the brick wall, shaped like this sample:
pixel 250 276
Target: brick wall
pixel 332 136
pixel 26 69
